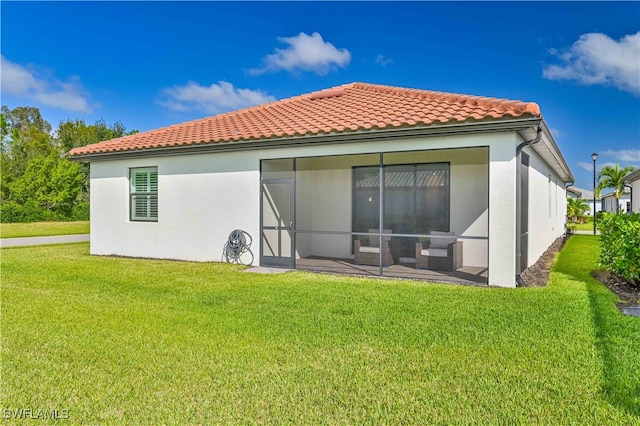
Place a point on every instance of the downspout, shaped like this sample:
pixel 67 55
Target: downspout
pixel 531 142
pixel 519 281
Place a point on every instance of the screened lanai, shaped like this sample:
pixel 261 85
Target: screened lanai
pixel 428 220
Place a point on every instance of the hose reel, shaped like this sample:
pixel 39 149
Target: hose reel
pixel 238 244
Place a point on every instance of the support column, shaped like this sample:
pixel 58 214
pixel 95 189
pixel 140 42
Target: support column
pixel 502 213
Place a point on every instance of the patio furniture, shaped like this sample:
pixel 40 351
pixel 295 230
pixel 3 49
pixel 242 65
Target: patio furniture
pixel 370 254
pixel 440 254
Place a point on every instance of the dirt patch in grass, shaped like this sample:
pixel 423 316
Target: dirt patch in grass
pixel 628 294
pixel 537 275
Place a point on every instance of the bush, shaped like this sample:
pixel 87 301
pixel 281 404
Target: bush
pixel 620 245
pixel 80 211
pixel 31 211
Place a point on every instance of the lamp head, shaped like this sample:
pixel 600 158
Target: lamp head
pixel 594 156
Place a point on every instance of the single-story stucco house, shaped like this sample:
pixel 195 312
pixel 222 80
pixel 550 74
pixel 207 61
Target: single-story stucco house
pixel 612 205
pixel 359 178
pixel 587 196
pixel 633 180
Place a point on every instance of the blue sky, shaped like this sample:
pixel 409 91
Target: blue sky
pixel 152 64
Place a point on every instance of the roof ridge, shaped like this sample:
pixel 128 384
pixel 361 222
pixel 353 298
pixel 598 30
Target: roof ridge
pixel 451 97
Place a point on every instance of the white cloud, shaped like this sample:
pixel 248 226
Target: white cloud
pixel 383 61
pixel 588 166
pixel 623 155
pixel 305 53
pixel 212 99
pixel 598 59
pixel 24 83
pixel 557 133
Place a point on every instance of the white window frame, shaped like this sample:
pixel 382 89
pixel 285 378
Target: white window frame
pixel 148 192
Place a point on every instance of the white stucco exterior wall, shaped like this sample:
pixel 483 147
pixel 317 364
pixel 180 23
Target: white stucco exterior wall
pixel 635 196
pixel 502 211
pixel 203 197
pixel 610 203
pixel 547 206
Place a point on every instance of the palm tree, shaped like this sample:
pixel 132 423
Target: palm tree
pixel 611 177
pixel 576 207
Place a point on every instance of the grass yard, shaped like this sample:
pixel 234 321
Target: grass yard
pixel 42 229
pixel 117 340
pixel 586 226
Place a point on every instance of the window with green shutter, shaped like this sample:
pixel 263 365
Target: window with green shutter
pixel 144 194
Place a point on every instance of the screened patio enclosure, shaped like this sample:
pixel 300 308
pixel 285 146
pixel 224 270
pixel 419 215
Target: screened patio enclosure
pixel 428 220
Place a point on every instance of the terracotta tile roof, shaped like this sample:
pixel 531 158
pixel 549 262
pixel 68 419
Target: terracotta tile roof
pixel 347 108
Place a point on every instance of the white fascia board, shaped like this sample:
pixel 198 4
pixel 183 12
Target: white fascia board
pixel 632 177
pixel 548 148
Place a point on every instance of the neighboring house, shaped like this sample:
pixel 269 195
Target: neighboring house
pixel 633 180
pixel 303 177
pixel 609 202
pixel 587 196
pixel 573 192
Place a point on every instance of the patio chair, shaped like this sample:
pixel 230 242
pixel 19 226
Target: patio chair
pixel 440 254
pixel 370 254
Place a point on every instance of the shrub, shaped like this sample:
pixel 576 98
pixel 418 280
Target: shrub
pixel 620 245
pixel 80 211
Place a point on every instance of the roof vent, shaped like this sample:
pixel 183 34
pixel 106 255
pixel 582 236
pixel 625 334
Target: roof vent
pixel 328 93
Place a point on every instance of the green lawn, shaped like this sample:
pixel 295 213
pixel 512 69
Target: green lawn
pixel 41 229
pixel 130 341
pixel 586 226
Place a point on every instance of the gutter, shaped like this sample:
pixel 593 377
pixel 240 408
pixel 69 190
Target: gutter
pixel 554 149
pixel 535 140
pixel 324 139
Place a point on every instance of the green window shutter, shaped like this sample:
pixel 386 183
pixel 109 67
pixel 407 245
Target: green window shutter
pixel 144 194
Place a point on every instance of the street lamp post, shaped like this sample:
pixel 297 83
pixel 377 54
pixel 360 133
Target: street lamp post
pixel 594 157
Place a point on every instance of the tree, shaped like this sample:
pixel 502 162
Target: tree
pixel 50 184
pixel 38 181
pixel 576 208
pixel 25 136
pixel 612 178
pixel 75 133
pixel 20 118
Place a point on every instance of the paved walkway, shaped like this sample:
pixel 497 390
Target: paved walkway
pixel 634 311
pixel 38 241
pixel 577 232
pixel 266 270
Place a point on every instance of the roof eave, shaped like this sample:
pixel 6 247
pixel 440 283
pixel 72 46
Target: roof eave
pixel 549 144
pixel 357 136
pixel 632 177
